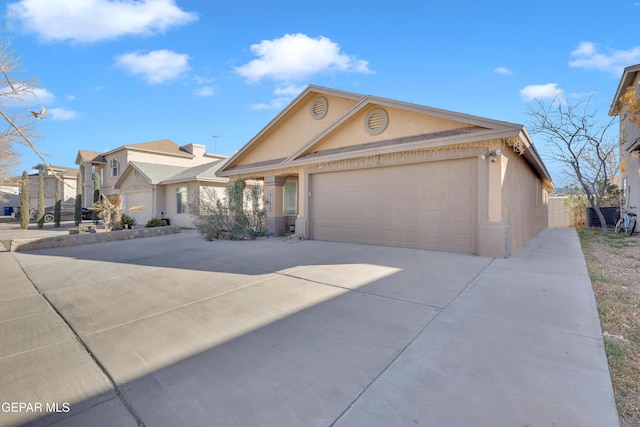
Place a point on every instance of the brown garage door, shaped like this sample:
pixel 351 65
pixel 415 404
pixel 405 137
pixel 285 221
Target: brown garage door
pixel 426 205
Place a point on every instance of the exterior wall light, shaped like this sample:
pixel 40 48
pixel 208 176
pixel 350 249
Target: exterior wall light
pixel 491 154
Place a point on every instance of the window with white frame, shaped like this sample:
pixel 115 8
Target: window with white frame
pixel 115 167
pixel 290 198
pixel 181 199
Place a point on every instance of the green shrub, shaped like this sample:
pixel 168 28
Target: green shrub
pixel 40 217
pixel 78 212
pixel 25 210
pixel 128 220
pixel 58 206
pixel 239 215
pixel 155 222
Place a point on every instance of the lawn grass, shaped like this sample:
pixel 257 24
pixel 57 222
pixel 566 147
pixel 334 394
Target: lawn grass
pixel 613 261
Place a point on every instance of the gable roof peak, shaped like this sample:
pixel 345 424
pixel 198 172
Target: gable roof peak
pixel 627 78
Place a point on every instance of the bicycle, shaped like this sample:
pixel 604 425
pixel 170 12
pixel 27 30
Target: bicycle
pixel 628 222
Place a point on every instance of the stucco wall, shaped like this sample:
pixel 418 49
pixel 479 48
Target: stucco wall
pixel 285 139
pixel 68 190
pixel 401 123
pixel 194 190
pixel 525 206
pixel 559 213
pixel 629 165
pixel 145 157
pixel 170 205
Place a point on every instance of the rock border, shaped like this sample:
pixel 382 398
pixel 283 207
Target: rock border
pixel 22 245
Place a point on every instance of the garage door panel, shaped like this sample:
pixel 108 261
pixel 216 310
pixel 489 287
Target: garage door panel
pixel 463 217
pixel 432 194
pixel 428 205
pixel 143 201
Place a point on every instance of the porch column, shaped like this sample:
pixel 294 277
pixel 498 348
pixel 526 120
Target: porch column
pixel 87 185
pixel 273 191
pixel 493 229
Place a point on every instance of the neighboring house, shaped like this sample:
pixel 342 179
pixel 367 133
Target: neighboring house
pixel 52 174
pixel 165 191
pixel 629 141
pixel 347 167
pixel 152 177
pixel 9 199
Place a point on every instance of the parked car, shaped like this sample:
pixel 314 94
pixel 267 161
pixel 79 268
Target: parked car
pixel 67 213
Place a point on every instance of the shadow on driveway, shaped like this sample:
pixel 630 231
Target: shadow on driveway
pixel 269 332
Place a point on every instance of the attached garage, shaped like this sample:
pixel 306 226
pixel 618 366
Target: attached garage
pixel 376 171
pixel 430 205
pixel 143 200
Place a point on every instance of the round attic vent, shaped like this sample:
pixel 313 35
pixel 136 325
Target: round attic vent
pixel 376 121
pixel 319 108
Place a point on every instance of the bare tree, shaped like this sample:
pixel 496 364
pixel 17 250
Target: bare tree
pixel 20 128
pixel 8 160
pixel 578 140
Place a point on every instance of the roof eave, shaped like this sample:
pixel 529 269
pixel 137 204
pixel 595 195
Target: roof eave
pixel 411 146
pixel 309 89
pixel 146 150
pixel 531 154
pixel 195 178
pixel 123 176
pixel 627 78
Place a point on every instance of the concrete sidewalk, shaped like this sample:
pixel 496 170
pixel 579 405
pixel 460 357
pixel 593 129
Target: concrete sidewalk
pixel 174 330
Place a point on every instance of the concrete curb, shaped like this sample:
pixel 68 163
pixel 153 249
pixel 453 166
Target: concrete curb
pixel 87 238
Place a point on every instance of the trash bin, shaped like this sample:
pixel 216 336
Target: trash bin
pixel 8 210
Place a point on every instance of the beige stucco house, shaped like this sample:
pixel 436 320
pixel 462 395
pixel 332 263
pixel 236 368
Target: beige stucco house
pixel 157 177
pixel 51 176
pixel 347 167
pixel 629 141
pixel 165 190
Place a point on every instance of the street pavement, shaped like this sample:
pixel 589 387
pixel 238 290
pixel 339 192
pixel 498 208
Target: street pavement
pixel 175 330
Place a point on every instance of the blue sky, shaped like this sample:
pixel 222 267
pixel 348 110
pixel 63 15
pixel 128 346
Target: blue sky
pixel 121 72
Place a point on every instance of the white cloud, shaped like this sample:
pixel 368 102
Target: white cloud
pixel 275 104
pixel 28 99
pixel 62 114
pixel 284 94
pixel 204 91
pixel 541 92
pixel 87 21
pixel 44 96
pixel 156 66
pixel 588 57
pixel 289 90
pixel 502 70
pixel 206 88
pixel 296 57
pixel 203 80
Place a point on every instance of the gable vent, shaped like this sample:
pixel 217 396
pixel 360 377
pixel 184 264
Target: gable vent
pixel 319 108
pixel 376 121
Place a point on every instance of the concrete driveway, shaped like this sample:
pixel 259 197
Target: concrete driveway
pixel 175 330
